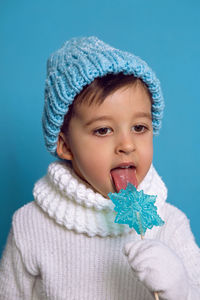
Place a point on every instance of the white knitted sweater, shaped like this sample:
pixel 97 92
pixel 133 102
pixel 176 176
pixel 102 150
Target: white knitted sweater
pixel 66 246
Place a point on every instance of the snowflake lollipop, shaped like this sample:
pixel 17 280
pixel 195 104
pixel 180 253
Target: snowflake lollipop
pixel 136 209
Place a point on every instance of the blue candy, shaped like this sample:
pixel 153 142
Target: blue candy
pixel 136 209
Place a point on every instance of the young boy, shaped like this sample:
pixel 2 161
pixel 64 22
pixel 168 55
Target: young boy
pixel 102 107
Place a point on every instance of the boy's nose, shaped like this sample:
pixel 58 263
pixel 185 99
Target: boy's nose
pixel 125 145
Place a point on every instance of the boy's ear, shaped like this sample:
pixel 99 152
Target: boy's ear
pixel 63 149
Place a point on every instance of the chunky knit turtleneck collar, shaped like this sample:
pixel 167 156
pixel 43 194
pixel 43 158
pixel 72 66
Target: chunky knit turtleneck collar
pixel 67 199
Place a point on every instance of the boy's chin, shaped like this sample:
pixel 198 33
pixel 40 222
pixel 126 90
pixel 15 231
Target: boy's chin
pixel 103 193
pixel 112 189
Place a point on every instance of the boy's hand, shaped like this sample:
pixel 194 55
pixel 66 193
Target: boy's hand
pixel 159 268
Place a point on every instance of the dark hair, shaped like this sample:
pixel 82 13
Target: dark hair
pixel 98 90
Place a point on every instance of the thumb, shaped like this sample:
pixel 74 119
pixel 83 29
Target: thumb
pixel 127 248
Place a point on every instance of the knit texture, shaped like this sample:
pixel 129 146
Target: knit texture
pixel 76 65
pixel 46 260
pixel 65 197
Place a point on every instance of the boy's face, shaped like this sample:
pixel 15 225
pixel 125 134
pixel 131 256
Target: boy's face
pixel 103 136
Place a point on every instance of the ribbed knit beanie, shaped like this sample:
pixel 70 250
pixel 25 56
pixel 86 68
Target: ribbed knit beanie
pixel 77 64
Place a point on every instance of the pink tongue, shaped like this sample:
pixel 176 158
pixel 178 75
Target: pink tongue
pixel 122 177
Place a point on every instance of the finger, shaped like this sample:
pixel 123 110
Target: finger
pixel 133 246
pixel 144 248
pixel 148 278
pixel 144 264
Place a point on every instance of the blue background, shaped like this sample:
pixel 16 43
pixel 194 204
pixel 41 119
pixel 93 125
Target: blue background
pixel 164 33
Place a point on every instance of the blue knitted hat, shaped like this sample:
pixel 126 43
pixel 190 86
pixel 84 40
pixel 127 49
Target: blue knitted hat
pixel 76 65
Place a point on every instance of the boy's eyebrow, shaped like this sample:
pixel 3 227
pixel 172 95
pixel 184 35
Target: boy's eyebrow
pixel 107 118
pixel 143 114
pixel 102 118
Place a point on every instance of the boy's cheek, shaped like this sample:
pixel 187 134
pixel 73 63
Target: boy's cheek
pixel 146 148
pixel 89 163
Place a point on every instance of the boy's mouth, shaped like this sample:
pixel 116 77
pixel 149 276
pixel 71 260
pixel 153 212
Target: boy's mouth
pixel 122 175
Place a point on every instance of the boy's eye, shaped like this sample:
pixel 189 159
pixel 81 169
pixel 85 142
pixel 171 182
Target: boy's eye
pixel 102 131
pixel 139 128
